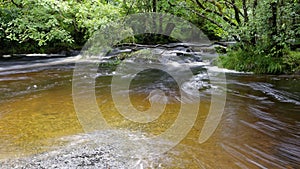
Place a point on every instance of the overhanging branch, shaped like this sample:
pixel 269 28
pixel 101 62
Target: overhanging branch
pixel 225 18
pixel 17 5
pixel 207 18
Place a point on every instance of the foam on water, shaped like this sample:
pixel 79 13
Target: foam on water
pixel 19 65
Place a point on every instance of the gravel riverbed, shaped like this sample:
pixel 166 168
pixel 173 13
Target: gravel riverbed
pixel 105 149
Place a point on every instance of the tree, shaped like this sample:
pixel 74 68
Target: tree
pixel 264 30
pixel 51 26
pixel 249 20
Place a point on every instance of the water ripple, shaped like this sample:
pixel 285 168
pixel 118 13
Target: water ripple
pixel 280 95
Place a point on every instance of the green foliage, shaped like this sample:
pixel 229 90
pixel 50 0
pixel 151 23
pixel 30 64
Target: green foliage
pixel 271 27
pixel 250 60
pixel 264 39
pixel 292 61
pixel 178 8
pixel 46 25
pixel 91 15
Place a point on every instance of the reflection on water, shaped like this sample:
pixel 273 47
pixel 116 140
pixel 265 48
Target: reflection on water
pixel 259 128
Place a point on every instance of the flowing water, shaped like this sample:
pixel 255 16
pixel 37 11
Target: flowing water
pixel 260 126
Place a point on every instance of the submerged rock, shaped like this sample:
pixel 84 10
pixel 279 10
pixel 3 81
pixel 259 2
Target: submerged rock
pixel 114 149
pixel 82 157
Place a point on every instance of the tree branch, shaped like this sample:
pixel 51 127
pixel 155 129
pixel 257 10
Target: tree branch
pixel 245 11
pixel 17 5
pixel 226 19
pixel 207 18
pixel 236 12
pixel 254 7
pixel 230 5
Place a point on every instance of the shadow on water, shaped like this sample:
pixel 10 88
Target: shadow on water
pixel 259 128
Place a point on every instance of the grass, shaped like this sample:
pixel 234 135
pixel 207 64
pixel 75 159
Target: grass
pixel 260 63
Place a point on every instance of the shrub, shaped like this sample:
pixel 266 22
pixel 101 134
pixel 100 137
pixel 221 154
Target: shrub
pixel 292 61
pixel 253 60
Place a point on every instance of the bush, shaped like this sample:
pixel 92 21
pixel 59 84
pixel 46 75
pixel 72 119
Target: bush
pixel 252 60
pixel 292 61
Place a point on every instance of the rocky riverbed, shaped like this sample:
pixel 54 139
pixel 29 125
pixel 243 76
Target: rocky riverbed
pixel 103 149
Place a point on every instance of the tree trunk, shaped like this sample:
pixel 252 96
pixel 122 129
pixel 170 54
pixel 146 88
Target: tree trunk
pixel 274 29
pixel 153 5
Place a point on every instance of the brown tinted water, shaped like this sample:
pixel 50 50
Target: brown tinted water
pixel 260 127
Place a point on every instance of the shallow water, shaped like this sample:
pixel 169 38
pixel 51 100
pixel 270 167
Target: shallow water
pixel 259 127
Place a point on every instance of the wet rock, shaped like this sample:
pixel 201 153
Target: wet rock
pixel 117 51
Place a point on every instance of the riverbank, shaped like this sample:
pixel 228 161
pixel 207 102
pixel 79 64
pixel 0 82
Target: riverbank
pixel 254 60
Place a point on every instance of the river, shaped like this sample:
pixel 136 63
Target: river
pixel 259 128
